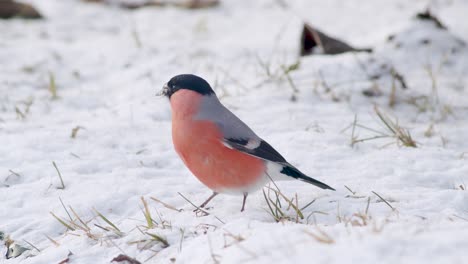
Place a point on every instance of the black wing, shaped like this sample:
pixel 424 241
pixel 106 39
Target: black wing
pixel 258 148
pixel 261 149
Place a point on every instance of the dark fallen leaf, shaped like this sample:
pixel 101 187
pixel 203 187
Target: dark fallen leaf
pixel 10 9
pixel 371 92
pixel 312 38
pixel 398 77
pixel 427 15
pixel 67 260
pixel 189 4
pixel 196 4
pixel 122 258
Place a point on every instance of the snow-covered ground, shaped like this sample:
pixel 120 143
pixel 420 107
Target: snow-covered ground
pixel 108 63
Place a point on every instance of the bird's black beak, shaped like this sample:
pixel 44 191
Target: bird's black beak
pixel 164 91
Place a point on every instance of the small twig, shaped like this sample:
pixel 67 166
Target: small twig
pixel 196 207
pixel 74 155
pixel 307 205
pixel 368 204
pixel 460 217
pixel 351 191
pixel 15 173
pixel 199 208
pixel 182 233
pixel 353 138
pixel 385 201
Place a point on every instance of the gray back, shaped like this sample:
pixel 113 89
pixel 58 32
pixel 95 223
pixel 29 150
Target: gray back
pixel 232 127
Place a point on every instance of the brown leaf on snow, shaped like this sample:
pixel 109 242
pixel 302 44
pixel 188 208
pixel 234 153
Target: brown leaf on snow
pixel 125 258
pixel 189 4
pixel 427 15
pixel 67 260
pixel 10 9
pixel 313 38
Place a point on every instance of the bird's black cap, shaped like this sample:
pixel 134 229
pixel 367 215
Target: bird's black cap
pixel 188 82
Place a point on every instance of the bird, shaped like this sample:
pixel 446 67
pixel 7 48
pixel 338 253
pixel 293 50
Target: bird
pixel 219 148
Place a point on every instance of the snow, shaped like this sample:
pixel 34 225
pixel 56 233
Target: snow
pixel 108 63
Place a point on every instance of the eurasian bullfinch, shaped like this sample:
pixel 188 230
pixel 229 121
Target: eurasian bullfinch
pixel 217 147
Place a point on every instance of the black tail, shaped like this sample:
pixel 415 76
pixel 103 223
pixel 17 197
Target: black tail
pixel 296 174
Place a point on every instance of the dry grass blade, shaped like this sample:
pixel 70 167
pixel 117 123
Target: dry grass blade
pixel 63 205
pixel 214 256
pixel 393 130
pixel 321 237
pixel 29 243
pixel 52 86
pixel 353 137
pixel 272 212
pixel 286 71
pixel 147 213
pixel 108 222
pixel 168 206
pixel 400 133
pixel 75 131
pixel 57 244
pixel 307 205
pixel 60 176
pixel 298 211
pixel 159 239
pixel 19 113
pixel 368 205
pixel 277 213
pixel 463 218
pixel 103 228
pixel 69 227
pixel 85 226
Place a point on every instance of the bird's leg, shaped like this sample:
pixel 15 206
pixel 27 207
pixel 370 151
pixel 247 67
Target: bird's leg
pixel 208 200
pixel 243 202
